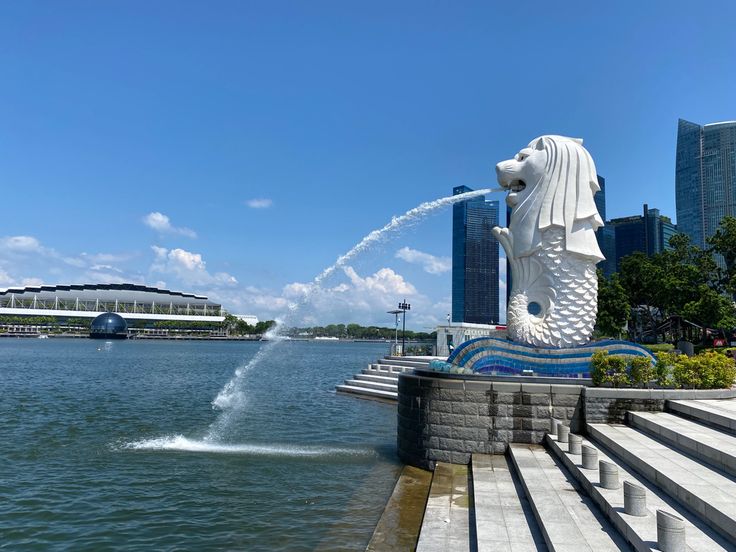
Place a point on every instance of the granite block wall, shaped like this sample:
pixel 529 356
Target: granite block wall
pixel 448 419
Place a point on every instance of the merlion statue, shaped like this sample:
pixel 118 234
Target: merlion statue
pixel 550 242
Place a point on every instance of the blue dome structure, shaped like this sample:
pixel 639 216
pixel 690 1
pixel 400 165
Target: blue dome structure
pixel 109 326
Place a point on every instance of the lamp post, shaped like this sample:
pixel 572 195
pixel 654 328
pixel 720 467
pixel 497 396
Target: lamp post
pixel 404 306
pixel 396 326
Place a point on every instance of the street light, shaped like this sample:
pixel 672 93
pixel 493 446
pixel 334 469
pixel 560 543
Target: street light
pixel 396 326
pixel 404 307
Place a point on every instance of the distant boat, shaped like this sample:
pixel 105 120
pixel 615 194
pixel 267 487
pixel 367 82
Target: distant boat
pixel 43 336
pixel 327 339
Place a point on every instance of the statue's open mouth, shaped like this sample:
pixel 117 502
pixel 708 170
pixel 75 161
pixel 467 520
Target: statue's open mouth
pixel 517 186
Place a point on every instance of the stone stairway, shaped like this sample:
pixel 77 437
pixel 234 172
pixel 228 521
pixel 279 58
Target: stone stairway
pixel 379 381
pixel 534 498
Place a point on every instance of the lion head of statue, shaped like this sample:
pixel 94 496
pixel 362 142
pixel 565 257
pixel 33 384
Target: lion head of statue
pixel 551 183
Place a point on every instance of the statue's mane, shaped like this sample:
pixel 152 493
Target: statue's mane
pixel 563 198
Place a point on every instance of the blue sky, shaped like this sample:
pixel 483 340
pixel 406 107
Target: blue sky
pixel 133 135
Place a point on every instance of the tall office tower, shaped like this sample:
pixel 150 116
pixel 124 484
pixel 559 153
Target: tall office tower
pixel 705 177
pixel 604 235
pixel 649 233
pixel 474 260
pixel 600 197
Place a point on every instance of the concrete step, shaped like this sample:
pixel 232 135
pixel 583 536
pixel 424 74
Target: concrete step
pixel 372 385
pixel 503 516
pixel 640 532
pixel 446 525
pixel 569 521
pixel 376 378
pixel 390 368
pixel 404 361
pixel 702 442
pixel 716 413
pixel 384 373
pixel 366 393
pixel 706 492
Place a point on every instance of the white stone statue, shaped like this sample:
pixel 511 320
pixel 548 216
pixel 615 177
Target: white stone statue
pixel 550 242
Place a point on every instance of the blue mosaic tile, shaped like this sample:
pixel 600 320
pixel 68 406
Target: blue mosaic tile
pixel 489 354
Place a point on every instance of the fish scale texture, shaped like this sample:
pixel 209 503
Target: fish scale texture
pixel 564 285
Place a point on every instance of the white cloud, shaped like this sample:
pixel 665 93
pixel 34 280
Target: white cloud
pixel 188 267
pixel 259 203
pixel 22 244
pixel 25 261
pixel 105 267
pixel 429 263
pixel 385 281
pixel 161 223
pixel 361 299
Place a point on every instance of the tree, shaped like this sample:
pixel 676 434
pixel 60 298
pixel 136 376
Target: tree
pixel 711 309
pixel 723 243
pixel 614 309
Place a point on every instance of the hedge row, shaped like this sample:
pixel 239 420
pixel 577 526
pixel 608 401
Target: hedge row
pixel 708 370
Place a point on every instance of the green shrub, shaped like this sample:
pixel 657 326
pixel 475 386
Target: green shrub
pixel 618 370
pixel 599 368
pixel 686 372
pixel 663 369
pixel 708 370
pixel 607 369
pixel 642 372
pixel 716 370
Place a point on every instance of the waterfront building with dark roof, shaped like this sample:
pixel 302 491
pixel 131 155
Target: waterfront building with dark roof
pixel 131 301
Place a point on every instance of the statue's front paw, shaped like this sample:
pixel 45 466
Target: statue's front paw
pixel 504 238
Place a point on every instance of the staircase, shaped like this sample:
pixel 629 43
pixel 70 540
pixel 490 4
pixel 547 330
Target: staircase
pixel 379 381
pixel 538 497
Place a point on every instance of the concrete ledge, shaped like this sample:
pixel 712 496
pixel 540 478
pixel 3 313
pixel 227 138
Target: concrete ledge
pixel 704 413
pixel 674 394
pixel 509 379
pixel 398 528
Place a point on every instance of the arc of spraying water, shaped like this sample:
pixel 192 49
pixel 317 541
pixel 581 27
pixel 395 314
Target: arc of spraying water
pixel 231 397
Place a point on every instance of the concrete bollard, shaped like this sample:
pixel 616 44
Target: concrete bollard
pixel 670 532
pixel 552 426
pixel 635 499
pixel 608 475
pixel 574 444
pixel 563 433
pixel 590 457
pixel 558 423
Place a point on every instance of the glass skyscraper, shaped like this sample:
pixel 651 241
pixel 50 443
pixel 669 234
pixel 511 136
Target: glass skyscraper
pixel 649 233
pixel 705 177
pixel 474 260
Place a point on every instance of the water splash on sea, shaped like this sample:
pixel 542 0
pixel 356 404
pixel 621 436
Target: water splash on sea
pixel 232 398
pixel 179 443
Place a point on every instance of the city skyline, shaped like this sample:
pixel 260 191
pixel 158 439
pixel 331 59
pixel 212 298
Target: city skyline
pixel 237 152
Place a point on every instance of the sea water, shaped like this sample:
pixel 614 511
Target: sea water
pixel 103 448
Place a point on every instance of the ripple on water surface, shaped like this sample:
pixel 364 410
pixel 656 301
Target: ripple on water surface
pixel 106 449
